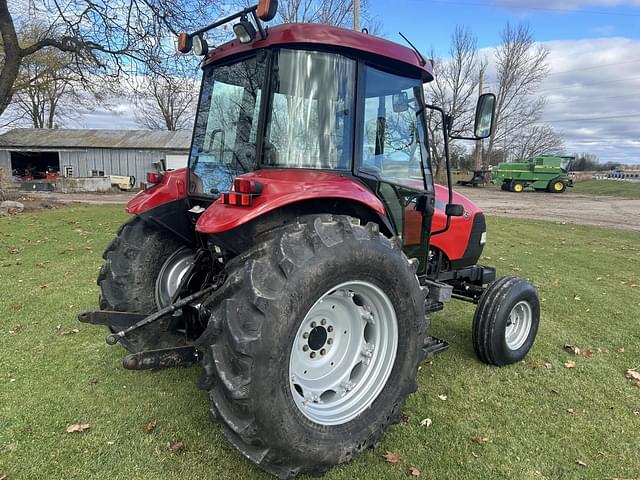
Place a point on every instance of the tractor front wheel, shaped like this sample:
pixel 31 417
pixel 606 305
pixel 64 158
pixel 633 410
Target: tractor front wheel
pixel 506 320
pixel 313 344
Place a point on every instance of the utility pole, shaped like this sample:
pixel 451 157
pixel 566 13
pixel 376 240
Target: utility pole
pixel 478 161
pixel 356 15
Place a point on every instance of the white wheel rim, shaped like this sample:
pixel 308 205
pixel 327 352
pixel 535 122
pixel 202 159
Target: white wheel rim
pixel 518 325
pixel 343 353
pixel 171 274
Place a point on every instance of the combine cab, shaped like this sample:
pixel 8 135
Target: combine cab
pixel 300 255
pixel 544 173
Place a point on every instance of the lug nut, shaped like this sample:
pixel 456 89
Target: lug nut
pixel 330 341
pixel 323 321
pixel 313 355
pixel 305 335
pixel 305 348
pixel 323 351
pixel 330 328
pixel 313 324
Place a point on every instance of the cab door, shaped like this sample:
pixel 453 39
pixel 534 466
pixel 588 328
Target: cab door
pixel 392 154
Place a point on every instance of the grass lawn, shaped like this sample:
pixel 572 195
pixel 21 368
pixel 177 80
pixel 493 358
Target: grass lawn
pixel 608 187
pixel 539 417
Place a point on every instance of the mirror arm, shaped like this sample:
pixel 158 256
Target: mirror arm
pixel 445 132
pixel 459 137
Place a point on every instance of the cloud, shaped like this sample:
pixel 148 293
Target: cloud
pixel 592 94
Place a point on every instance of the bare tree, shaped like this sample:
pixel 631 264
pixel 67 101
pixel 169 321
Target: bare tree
pixel 535 140
pixel 455 89
pixel 114 37
pixel 165 102
pixel 521 66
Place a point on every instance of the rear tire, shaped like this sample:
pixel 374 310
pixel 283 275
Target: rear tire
pixel 517 187
pixel 252 344
pixel 557 186
pixel 506 321
pixel 133 262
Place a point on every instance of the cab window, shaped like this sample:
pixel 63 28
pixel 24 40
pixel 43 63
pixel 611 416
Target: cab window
pixel 393 147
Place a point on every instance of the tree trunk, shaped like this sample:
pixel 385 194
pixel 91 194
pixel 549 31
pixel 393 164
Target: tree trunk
pixel 12 56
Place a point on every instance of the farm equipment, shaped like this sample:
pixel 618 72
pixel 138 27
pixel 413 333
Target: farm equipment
pixel 300 255
pixel 480 178
pixel 543 173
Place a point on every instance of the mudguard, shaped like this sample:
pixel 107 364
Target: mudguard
pixel 281 187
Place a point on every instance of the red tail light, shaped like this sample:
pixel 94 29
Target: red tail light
pixel 244 189
pixel 247 185
pixel 237 199
pixel 154 178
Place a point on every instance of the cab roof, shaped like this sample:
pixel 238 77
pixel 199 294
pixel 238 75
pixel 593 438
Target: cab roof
pixel 326 37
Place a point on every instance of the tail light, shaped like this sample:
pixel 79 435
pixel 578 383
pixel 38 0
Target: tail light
pixel 154 178
pixel 244 190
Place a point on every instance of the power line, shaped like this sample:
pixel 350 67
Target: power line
pixel 591 84
pixel 589 119
pixel 593 68
pixel 574 100
pixel 515 7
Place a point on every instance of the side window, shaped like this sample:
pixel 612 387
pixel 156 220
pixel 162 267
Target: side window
pixel 393 142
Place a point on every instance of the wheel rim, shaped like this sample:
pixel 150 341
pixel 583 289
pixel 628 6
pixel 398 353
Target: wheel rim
pixel 343 353
pixel 558 186
pixel 518 325
pixel 518 188
pixel 171 275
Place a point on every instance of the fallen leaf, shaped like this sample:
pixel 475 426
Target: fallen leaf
pixel 426 422
pixel 390 457
pixel 632 374
pixel 586 354
pixel 581 463
pixel 4 476
pixel 475 455
pixel 621 350
pixel 570 410
pixel 150 427
pixel 176 446
pixel 111 442
pixel 414 472
pixel 405 418
pixel 70 332
pixel 534 365
pixel 577 298
pixel 480 440
pixel 636 412
pixel 44 286
pixel 92 381
pixel 570 364
pixel 442 397
pixel 572 349
pixel 78 427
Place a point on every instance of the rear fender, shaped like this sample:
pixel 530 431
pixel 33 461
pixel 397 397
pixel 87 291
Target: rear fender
pixel 172 187
pixel 284 188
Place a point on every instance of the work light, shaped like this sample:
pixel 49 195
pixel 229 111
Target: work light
pixel 200 46
pixel 244 30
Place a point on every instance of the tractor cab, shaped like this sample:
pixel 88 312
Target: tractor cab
pixel 316 104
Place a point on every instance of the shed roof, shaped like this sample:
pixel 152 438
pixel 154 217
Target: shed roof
pixel 95 138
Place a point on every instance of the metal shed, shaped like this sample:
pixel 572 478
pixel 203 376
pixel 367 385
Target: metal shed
pixel 87 153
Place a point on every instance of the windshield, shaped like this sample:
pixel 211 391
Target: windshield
pixel 225 133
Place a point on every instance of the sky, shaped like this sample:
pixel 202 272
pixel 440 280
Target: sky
pixel 592 91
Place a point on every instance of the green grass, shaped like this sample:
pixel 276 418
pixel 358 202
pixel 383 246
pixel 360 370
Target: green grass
pixel 587 278
pixel 609 187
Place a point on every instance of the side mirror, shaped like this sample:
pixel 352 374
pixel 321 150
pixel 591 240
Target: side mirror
pixel 400 102
pixel 454 210
pixel 485 111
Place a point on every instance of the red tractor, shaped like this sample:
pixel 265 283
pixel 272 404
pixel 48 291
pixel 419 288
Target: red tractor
pixel 299 256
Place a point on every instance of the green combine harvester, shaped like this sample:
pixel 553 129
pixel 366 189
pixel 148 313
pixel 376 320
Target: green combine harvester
pixel 544 172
